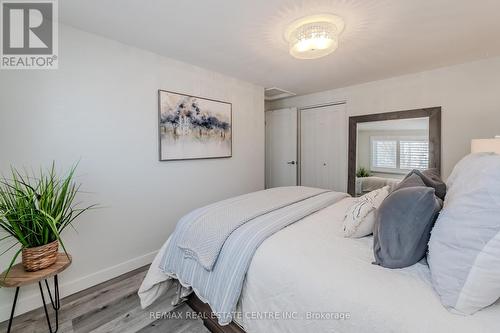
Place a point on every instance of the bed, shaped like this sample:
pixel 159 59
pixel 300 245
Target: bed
pixel 309 278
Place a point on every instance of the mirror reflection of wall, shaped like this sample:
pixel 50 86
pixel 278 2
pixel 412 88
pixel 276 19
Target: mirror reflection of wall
pixel 388 150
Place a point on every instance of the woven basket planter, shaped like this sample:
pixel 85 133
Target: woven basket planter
pixel 40 257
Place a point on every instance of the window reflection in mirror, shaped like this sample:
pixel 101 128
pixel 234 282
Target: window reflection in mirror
pixel 387 150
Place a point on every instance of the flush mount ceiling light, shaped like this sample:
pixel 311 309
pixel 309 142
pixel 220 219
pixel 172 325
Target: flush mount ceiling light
pixel 314 36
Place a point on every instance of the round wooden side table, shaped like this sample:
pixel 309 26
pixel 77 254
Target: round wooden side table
pixel 18 277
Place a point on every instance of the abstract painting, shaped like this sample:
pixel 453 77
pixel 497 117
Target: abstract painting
pixel 192 127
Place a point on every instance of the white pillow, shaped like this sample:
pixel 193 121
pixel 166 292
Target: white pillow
pixel 360 217
pixel 464 249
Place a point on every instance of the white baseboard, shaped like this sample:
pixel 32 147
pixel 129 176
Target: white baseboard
pixel 33 301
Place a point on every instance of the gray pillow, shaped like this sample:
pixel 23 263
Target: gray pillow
pixel 403 226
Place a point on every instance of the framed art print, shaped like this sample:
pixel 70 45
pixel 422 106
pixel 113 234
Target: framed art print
pixel 193 127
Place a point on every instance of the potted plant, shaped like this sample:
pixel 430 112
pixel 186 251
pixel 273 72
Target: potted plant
pixel 362 172
pixel 34 211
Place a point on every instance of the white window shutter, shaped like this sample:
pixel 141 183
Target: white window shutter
pixel 384 154
pixel 413 154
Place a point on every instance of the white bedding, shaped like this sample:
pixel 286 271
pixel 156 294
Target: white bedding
pixel 335 275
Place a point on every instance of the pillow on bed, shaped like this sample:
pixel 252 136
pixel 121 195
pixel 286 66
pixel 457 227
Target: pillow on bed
pixel 403 226
pixel 360 217
pixel 464 249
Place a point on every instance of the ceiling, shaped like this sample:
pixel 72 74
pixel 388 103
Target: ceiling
pixel 244 38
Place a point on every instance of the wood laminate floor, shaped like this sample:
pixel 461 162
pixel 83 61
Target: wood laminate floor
pixel 112 306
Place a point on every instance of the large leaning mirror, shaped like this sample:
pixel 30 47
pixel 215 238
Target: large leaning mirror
pixel 384 147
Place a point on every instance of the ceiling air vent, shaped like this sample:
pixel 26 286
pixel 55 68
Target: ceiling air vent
pixel 277 93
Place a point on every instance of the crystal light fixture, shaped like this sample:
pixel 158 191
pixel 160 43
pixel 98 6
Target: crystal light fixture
pixel 314 36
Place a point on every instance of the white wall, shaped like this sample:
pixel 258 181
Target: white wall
pixel 100 107
pixel 469 95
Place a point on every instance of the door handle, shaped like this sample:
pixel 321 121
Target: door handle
pixel 291 162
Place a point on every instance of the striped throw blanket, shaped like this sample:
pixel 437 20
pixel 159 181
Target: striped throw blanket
pixel 221 286
pixel 208 229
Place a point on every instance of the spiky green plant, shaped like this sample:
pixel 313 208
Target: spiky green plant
pixel 363 172
pixel 35 209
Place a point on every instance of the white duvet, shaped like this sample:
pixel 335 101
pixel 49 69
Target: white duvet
pixel 309 270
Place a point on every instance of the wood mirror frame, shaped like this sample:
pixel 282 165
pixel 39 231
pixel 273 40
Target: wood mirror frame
pixel 434 115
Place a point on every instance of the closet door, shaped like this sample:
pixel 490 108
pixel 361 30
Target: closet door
pixel 323 147
pixel 281 148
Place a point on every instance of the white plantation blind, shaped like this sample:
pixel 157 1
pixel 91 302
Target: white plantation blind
pixel 413 154
pixel 399 154
pixel 384 153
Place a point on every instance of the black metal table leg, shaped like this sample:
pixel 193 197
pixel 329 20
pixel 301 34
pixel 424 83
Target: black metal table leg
pixel 54 301
pixel 13 310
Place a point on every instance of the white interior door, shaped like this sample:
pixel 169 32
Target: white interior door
pixel 323 147
pixel 281 148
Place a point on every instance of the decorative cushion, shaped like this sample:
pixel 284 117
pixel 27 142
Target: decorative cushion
pixel 402 226
pixel 464 249
pixel 360 217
